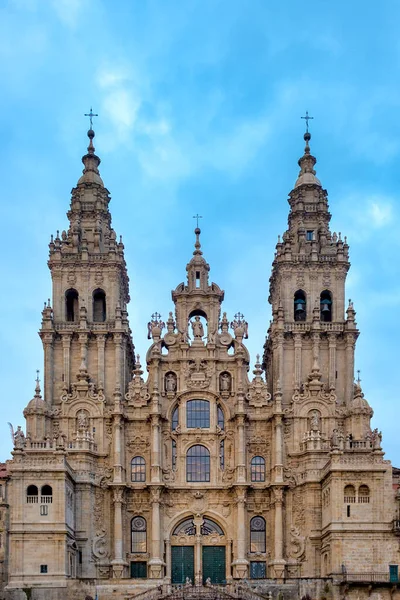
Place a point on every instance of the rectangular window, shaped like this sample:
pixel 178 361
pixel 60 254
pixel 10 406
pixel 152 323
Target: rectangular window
pixel 44 509
pixel 139 542
pixel 348 510
pixel 139 570
pixel 43 568
pixel 310 235
pixel 258 570
pixel 198 413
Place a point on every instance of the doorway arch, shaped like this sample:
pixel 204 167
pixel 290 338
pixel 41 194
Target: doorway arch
pixel 198 551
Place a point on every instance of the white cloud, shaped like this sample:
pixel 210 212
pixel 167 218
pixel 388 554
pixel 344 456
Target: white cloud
pixel 381 213
pixel 366 215
pixel 68 11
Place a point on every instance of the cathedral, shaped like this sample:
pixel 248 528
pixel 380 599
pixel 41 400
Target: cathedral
pixel 211 472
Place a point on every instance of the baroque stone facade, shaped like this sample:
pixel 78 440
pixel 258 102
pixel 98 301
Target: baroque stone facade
pixel 201 472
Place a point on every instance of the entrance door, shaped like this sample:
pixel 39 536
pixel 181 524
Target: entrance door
pixel 214 564
pixel 182 558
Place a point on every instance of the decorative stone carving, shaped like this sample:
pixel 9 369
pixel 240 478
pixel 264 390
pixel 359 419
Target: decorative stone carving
pixel 297 545
pixel 197 374
pixel 99 546
pixel 224 338
pixel 137 394
pixel 258 394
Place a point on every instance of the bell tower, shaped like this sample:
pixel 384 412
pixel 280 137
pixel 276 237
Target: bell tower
pixel 310 335
pixel 86 330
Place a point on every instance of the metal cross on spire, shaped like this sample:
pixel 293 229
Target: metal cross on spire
pixel 307 118
pixel 91 114
pixel 197 217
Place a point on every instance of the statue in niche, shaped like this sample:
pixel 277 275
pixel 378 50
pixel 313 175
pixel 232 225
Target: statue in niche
pixel 315 421
pixel 82 420
pixel 170 382
pixel 197 328
pixel 225 382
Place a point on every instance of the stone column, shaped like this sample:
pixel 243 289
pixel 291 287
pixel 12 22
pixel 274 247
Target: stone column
pixel 118 563
pixel 349 384
pixel 168 564
pixel 66 344
pixel 240 564
pixel 48 367
pixel 332 360
pixel 155 563
pixel 278 563
pixel 278 414
pixel 279 348
pixel 101 342
pixel 228 574
pixel 83 340
pixel 297 360
pixel 118 358
pixel 198 573
pixel 117 417
pixel 315 349
pixel 241 454
pixel 155 449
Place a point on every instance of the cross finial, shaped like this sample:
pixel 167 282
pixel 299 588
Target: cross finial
pixel 358 376
pixel 91 114
pixel 197 217
pixel 307 118
pixel 156 316
pixel 37 375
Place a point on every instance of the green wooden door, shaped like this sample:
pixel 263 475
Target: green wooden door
pixel 214 564
pixel 182 558
pixel 394 573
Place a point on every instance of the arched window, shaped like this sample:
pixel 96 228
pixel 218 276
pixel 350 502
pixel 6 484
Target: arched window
pixel 220 417
pixel 363 494
pixel 257 468
pixel 139 535
pixel 186 527
pixel 198 464
pixel 198 413
pixel 71 305
pixel 32 494
pixel 210 527
pixel 138 469
pixel 326 306
pixel 300 306
pixel 257 535
pixel 349 494
pixel 175 418
pixel 99 306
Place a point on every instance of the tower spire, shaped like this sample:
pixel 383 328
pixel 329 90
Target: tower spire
pixel 307 162
pixel 91 163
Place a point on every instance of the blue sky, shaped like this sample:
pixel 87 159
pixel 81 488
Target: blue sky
pixel 200 105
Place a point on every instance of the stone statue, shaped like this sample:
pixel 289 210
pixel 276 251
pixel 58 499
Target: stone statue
pixel 197 328
pixel 19 438
pixel 315 421
pixel 170 382
pixel 334 439
pixel 225 382
pixel 82 420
